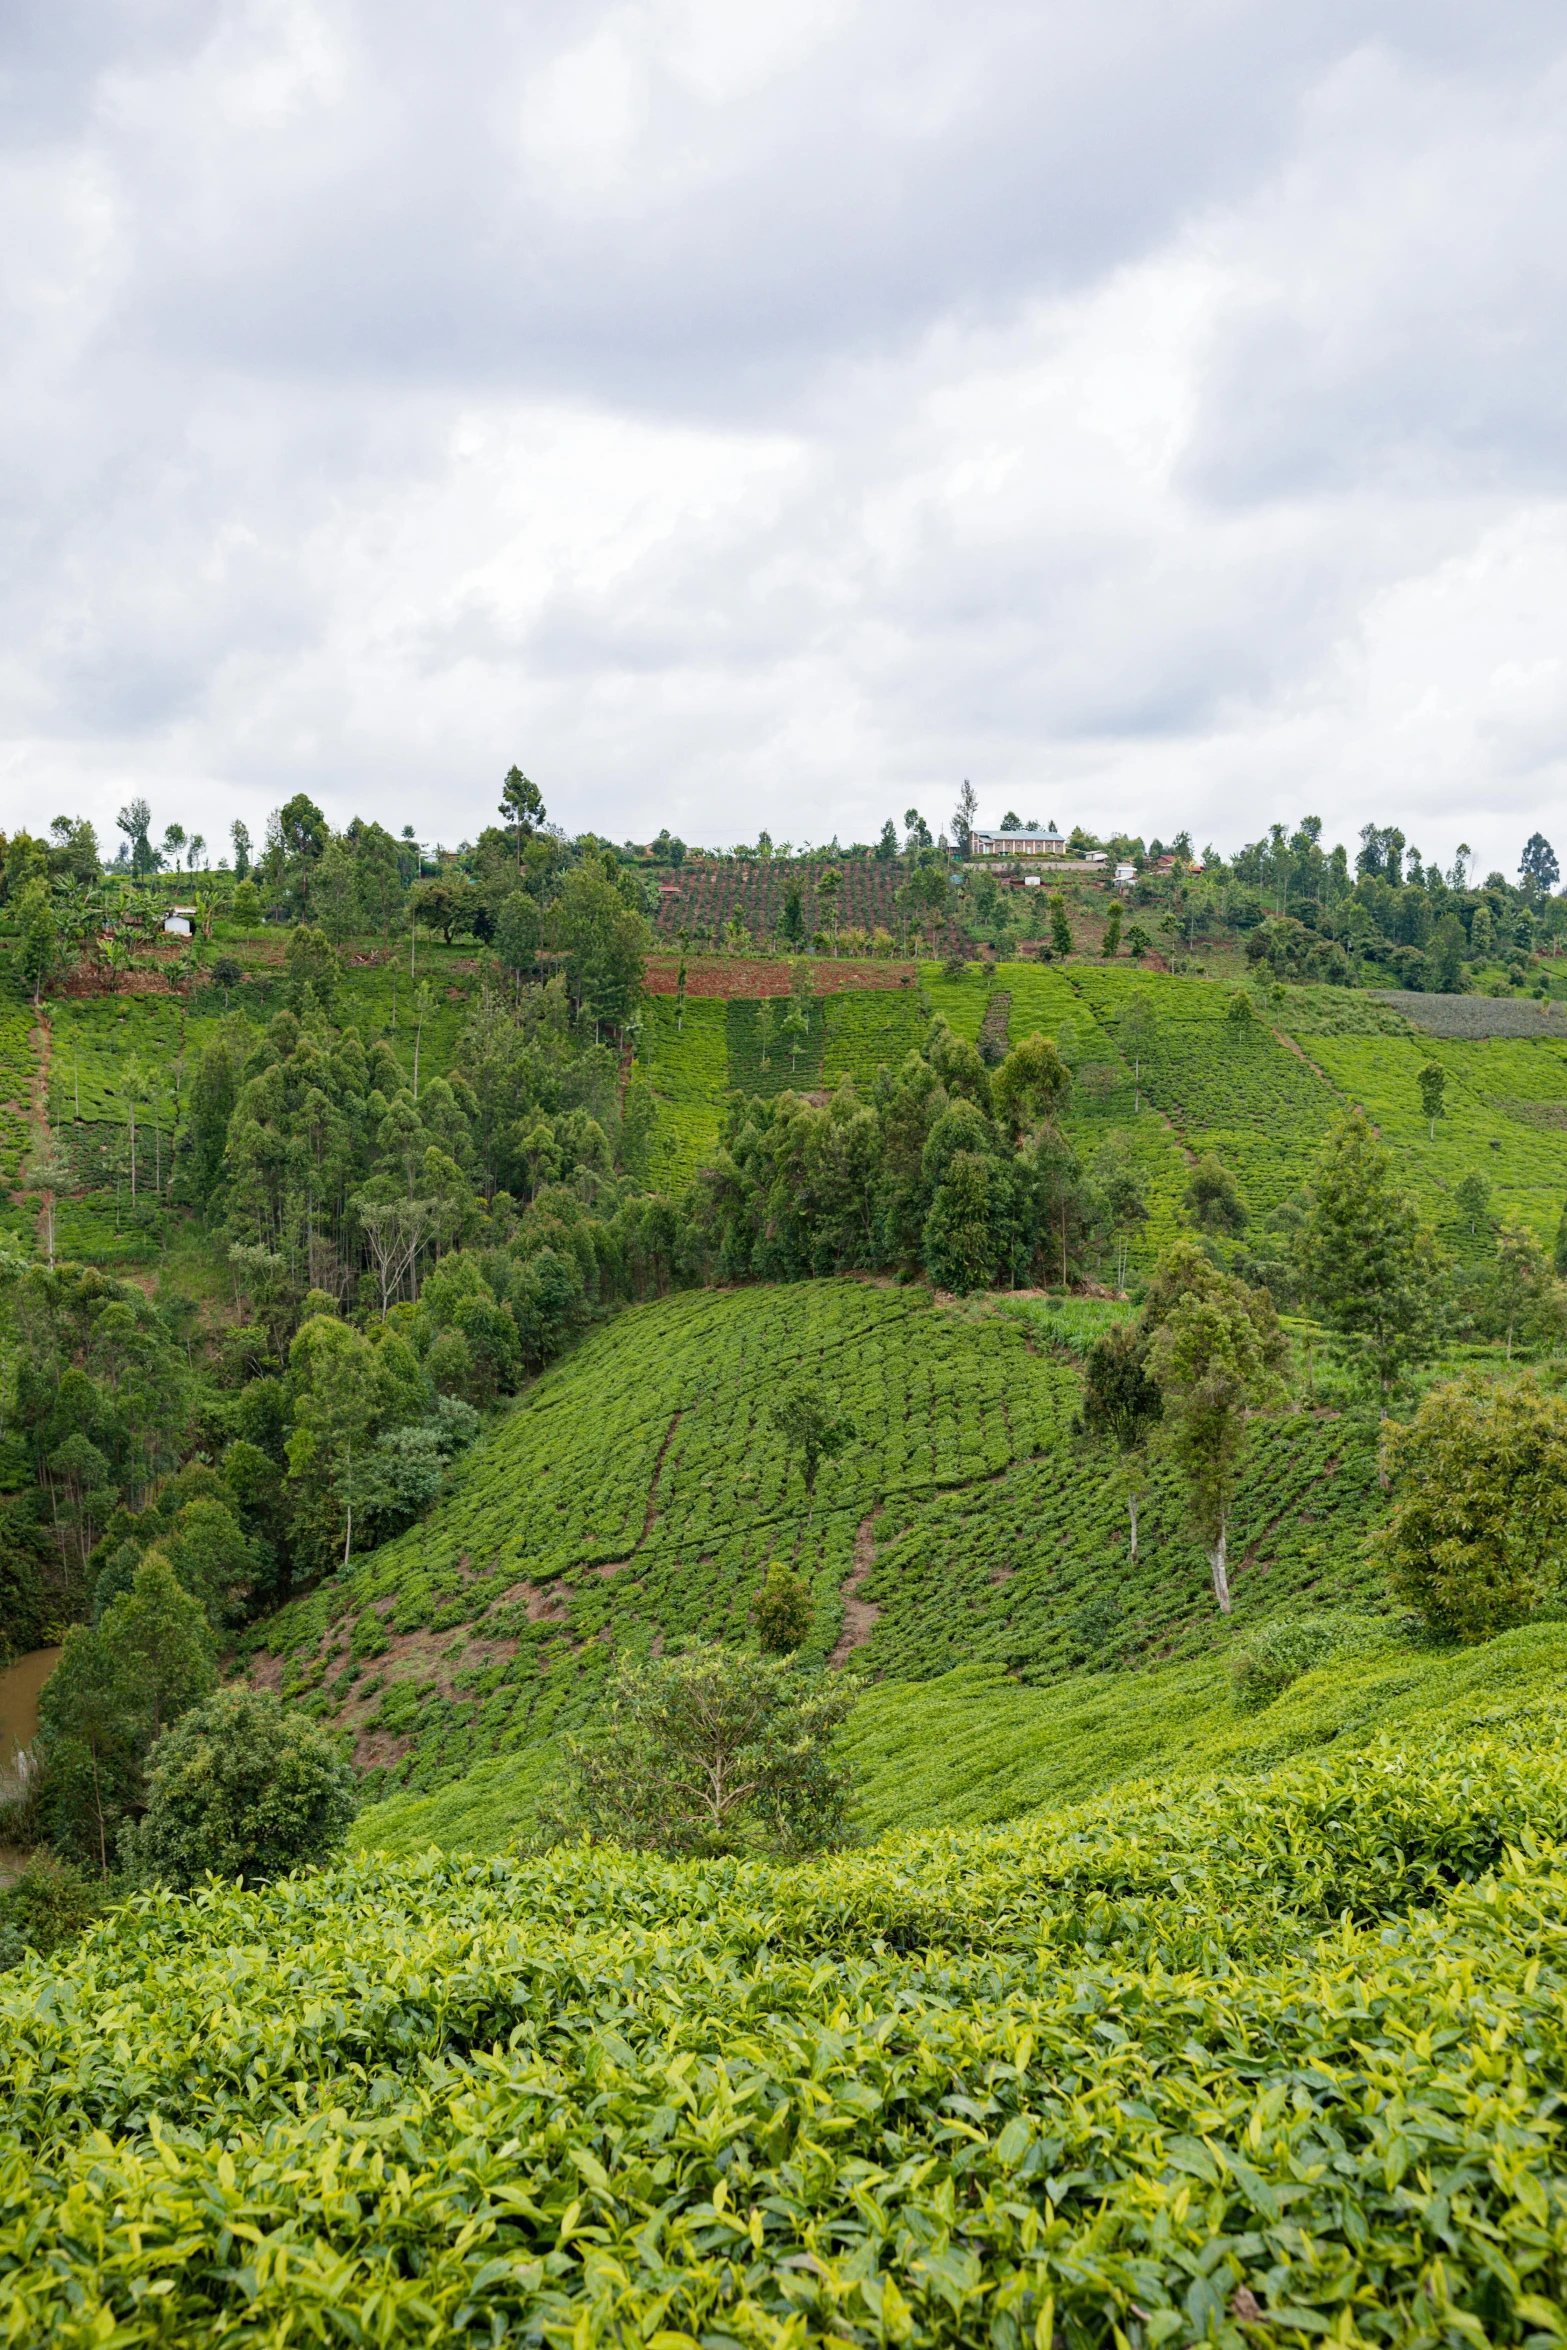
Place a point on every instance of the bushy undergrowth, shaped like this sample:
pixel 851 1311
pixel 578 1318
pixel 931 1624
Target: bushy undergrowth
pixel 1275 2055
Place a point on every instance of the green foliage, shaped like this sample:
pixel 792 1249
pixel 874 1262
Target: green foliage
pixel 239 1788
pixel 1477 1537
pixel 813 1430
pixel 1214 1351
pixel 782 1611
pixel 45 1906
pixel 1277 1654
pixel 1260 2081
pixel 1369 1264
pixel 713 1752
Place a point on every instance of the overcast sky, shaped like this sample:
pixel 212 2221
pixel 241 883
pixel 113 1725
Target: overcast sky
pixel 750 414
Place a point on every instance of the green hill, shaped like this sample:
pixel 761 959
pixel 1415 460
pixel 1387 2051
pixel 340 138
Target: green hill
pixel 635 1493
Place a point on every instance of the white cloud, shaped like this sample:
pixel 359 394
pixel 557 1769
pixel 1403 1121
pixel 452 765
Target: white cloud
pixel 775 415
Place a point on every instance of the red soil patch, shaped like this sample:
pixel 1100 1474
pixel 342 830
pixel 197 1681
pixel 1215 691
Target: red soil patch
pixel 860 1616
pixel 750 977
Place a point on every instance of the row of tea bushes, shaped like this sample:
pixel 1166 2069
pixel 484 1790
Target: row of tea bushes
pixel 1277 2061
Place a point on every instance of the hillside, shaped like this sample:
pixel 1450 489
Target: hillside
pixel 1260 1097
pixel 635 1493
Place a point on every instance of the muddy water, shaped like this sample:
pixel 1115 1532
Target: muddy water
pixel 19 1687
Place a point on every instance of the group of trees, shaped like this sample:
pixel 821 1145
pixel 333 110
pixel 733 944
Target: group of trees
pixel 946 1168
pixel 142 1766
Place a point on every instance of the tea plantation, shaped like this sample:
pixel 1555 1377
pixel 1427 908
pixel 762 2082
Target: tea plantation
pixel 632 1499
pixel 1257 2059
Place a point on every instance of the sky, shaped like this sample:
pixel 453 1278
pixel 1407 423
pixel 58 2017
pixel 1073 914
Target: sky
pixel 762 415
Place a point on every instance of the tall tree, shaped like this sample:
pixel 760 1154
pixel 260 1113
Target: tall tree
pixel 523 803
pixel 1213 1371
pixel 813 1430
pixel 1122 1402
pixel 1432 1081
pixel 1368 1263
pixel 1537 867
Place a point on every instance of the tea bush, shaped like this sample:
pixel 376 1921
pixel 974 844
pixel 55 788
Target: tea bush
pixel 1276 2056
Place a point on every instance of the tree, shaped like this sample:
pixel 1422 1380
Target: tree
pixel 1211 1199
pixel 1520 1282
pixel 40 938
pixel 87 1730
pixel 1477 1535
pixel 711 1752
pixel 247 905
pixel 1537 867
pixel 813 1431
pixel 1367 1262
pixel 1031 1083
pixel 1123 1404
pixel 793 923
pixel 1112 938
pixel 1559 1251
pixel 239 834
pixel 523 803
pixel 887 846
pixel 135 821
pixel 1447 955
pixel 1212 1372
pixel 439 906
pixel 963 818
pixel 1138 942
pixel 1473 1199
pixel 240 1788
pixel 1432 1081
pixel 1060 927
pixel 517 933
pixel 159 1645
pixel 227 974
pixel 1136 1039
pixel 783 1611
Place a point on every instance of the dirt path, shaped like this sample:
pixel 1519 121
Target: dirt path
pixel 860 1616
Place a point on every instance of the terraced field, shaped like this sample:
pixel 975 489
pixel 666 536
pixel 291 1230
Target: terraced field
pixel 633 1497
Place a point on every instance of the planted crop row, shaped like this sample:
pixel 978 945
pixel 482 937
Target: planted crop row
pixel 637 1493
pixel 688 1066
pixel 1273 2058
pixel 1525 1163
pixel 869 1031
pixel 708 897
pixel 764 1059
pixel 1034 1572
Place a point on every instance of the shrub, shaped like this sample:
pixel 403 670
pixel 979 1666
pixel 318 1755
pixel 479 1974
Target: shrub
pixel 239 1788
pixel 712 1752
pixel 782 1610
pixel 1278 1654
pixel 45 1907
pixel 1477 1536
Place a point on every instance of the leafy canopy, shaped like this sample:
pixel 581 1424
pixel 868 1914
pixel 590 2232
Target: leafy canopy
pixel 715 1751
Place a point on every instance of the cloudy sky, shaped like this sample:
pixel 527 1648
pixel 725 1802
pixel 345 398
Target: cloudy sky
pixel 772 413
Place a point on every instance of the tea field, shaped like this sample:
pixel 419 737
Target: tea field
pixel 630 1501
pixel 1270 2057
pixel 976 1747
